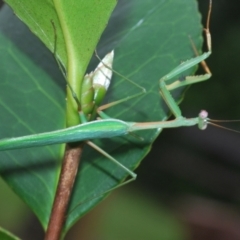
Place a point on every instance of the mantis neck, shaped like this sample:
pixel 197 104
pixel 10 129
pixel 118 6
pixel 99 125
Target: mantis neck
pixel 178 122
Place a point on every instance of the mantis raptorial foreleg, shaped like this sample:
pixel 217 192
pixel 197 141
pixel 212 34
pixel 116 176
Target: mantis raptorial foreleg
pixel 165 89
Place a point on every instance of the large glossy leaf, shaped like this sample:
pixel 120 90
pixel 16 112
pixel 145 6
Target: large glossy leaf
pixel 150 38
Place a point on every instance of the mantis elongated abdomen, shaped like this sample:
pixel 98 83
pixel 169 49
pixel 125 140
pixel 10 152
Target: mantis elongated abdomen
pixel 86 131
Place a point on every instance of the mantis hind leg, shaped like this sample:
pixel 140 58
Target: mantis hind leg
pixel 133 175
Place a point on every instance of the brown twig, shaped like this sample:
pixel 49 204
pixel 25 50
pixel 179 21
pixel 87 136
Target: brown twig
pixel 66 181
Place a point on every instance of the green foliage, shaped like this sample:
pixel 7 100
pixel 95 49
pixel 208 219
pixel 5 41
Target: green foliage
pixel 150 38
pixel 4 235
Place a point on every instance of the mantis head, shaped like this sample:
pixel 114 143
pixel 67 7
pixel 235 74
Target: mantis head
pixel 204 121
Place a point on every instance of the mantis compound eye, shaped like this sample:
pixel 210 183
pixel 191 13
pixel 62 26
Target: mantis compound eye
pixel 203 120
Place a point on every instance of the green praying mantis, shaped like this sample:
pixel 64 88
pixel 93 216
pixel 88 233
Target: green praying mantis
pixel 107 127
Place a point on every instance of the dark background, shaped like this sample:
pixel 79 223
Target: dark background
pixel 193 174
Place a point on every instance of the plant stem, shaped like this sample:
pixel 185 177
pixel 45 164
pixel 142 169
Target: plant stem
pixel 67 178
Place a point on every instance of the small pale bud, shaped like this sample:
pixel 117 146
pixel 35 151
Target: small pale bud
pixel 102 74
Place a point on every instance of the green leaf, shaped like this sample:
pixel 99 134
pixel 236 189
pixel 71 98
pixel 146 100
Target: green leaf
pixel 80 41
pixel 150 38
pixel 78 26
pixel 5 235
